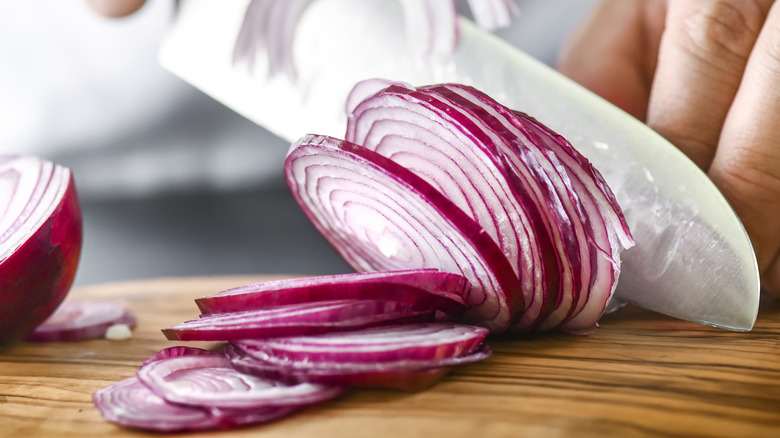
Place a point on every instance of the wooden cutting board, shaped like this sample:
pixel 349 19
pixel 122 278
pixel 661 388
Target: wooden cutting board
pixel 640 374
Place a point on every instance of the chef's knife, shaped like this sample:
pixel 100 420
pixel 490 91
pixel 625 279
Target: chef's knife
pixel 692 259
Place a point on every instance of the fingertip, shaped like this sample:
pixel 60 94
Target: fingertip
pixel 115 8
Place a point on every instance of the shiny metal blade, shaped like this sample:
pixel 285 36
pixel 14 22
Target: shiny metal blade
pixel 693 259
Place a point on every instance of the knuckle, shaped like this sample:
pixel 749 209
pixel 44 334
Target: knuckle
pixel 721 28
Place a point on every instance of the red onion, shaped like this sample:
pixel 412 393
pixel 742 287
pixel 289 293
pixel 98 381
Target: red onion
pixel 407 342
pixel 296 319
pixel 381 216
pixel 133 404
pixel 409 375
pixel 81 320
pixel 423 288
pixel 40 242
pixel 210 381
pixel 550 212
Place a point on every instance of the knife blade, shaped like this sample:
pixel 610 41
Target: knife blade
pixel 693 259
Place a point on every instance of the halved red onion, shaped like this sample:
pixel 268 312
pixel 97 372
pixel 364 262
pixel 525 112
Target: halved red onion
pixel 423 288
pixel 296 319
pixel 40 242
pixel 81 320
pixel 381 216
pixel 210 381
pixel 421 341
pixel 132 404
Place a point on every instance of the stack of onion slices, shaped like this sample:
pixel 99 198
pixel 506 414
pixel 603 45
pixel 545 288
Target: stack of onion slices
pixel 444 177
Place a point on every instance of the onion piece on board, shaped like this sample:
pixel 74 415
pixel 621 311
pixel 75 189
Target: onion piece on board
pixel 131 403
pixel 401 375
pixel 421 341
pixel 380 216
pixel 296 319
pixel 81 320
pixel 40 242
pixel 422 288
pixel 210 381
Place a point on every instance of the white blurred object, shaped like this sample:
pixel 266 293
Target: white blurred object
pixel 87 92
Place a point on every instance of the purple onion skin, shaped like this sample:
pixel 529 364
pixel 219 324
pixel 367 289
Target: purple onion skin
pixel 35 279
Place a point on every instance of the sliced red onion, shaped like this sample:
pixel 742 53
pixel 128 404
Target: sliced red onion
pixel 334 367
pixel 404 380
pixel 422 341
pixel 296 319
pixel 410 375
pixel 381 216
pixel 551 213
pixel 596 220
pixel 541 187
pixel 40 242
pixel 493 14
pixel 431 138
pixel 132 404
pixel 210 381
pixel 177 351
pixel 81 320
pixel 425 289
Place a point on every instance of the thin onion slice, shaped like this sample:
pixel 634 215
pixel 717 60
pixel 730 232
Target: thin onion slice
pixel 422 341
pixel 403 375
pixel 423 288
pixel 81 320
pixel 177 351
pixel 381 216
pixel 333 367
pixel 296 319
pixel 210 381
pixel 132 404
pixel 40 242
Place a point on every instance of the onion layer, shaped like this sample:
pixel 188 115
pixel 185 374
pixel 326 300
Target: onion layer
pixel 40 242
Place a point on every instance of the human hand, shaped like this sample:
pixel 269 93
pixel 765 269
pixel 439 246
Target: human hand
pixel 115 8
pixel 705 74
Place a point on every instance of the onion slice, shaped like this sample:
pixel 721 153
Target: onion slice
pixel 295 319
pixel 211 381
pixel 381 216
pixel 409 375
pixel 421 341
pixel 40 242
pixel 131 403
pixel 423 288
pixel 81 320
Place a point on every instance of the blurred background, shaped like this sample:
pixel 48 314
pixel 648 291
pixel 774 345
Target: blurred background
pixel 171 182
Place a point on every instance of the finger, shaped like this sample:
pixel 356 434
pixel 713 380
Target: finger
pixel 613 53
pixel 702 56
pixel 116 8
pixel 747 163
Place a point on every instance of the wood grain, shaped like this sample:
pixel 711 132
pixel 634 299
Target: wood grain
pixel 640 374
